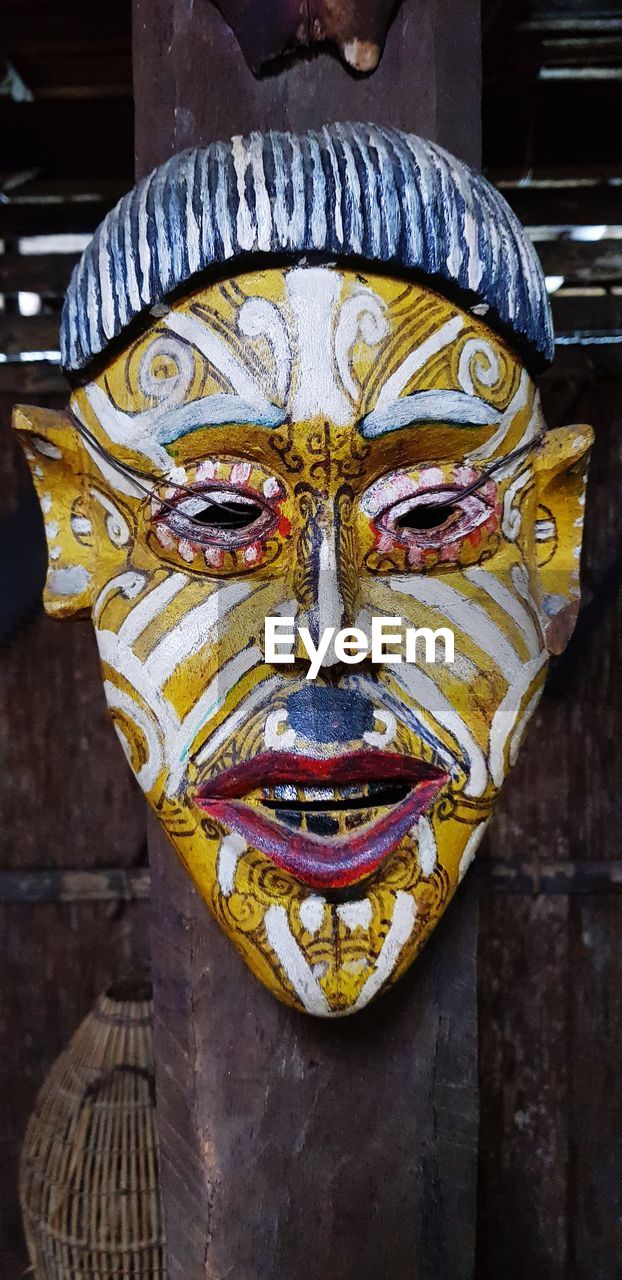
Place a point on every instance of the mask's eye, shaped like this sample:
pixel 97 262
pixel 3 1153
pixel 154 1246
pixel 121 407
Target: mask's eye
pixel 218 516
pixel 235 512
pixel 422 516
pixel 436 520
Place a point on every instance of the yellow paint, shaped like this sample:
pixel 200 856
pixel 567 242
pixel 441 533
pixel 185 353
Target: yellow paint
pixel 507 590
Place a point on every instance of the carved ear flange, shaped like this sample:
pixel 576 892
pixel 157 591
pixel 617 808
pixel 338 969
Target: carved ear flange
pixel 53 454
pixel 268 31
pixel 561 475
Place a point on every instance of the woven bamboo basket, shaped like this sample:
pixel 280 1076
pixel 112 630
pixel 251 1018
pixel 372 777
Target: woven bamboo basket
pixel 89 1186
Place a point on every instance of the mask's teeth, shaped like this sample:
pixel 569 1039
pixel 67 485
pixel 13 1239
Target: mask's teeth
pixel 357 818
pixel 285 792
pixel 369 795
pixel 321 824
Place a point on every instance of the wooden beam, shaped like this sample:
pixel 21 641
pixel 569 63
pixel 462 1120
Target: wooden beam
pixel 428 78
pixel 23 379
pixel 555 877
pixel 585 313
pixel 28 333
pixel 592 204
pixel 48 218
pixel 575 366
pixel 582 261
pixel 570 23
pixel 34 186
pixel 44 273
pixel 105 884
pixel 101 69
pixel 128 884
pixel 549 175
pixel 294 1147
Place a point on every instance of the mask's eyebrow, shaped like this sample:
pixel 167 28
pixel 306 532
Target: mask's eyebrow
pixel 151 429
pixel 220 409
pixel 454 408
pixel 144 482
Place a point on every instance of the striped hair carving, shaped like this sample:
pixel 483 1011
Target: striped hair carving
pixel 356 191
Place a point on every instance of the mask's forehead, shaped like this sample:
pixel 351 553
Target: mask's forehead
pixel 359 350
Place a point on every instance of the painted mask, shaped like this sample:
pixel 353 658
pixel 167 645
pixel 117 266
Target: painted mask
pixel 324 443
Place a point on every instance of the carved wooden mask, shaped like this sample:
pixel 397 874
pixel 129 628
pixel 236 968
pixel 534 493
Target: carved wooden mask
pixel 342 427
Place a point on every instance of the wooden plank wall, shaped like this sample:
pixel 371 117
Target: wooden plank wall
pixel 549 956
pixel 550 968
pixel 67 801
pixel 550 981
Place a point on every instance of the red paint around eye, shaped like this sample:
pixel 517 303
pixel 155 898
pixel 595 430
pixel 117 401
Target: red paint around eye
pixel 211 541
pixel 214 557
pixel 262 518
pixel 470 520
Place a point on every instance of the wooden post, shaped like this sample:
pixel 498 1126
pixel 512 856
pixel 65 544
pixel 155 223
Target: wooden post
pixel 291 1148
pixel 192 85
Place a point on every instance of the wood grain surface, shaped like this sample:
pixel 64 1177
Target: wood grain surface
pixel 192 85
pixel 67 800
pixel 289 1147
pixel 550 967
pixel 297 1147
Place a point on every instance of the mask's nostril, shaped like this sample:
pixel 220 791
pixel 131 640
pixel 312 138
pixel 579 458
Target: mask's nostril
pixel 323 714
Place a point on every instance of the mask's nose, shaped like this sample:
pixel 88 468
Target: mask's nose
pixel 320 715
pixel 325 579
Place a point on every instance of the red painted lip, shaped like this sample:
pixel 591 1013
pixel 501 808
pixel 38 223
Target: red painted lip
pixel 322 862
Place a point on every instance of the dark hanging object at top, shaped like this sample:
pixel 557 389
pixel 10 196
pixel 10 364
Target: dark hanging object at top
pixel 266 31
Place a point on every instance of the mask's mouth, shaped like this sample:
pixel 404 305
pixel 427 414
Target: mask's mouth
pixel 330 823
pixel 330 811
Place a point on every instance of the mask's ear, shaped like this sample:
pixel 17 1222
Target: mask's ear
pixel 560 472
pixel 54 456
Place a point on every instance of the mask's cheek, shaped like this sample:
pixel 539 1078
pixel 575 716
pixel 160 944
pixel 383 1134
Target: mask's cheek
pixel 141 735
pixel 176 652
pixel 127 628
pixel 511 717
pixel 455 702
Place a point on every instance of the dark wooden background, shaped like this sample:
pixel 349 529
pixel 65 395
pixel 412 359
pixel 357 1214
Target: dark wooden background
pixel 73 878
pixel 550 980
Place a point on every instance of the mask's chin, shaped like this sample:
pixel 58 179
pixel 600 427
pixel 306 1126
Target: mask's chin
pixel 323 934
